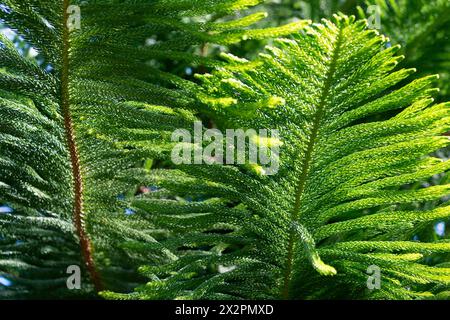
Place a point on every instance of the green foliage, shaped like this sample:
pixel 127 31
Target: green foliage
pixel 285 10
pixel 76 128
pixel 422 28
pixel 88 123
pixel 334 208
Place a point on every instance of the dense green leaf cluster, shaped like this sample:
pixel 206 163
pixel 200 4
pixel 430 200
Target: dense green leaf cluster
pixel 332 211
pixel 85 146
pixel 422 28
pixel 77 126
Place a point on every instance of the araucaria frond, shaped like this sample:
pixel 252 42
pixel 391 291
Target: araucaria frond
pixel 334 213
pixel 77 122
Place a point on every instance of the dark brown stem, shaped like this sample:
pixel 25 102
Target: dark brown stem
pixel 85 243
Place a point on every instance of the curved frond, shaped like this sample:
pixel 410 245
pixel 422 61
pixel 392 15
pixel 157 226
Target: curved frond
pixel 78 122
pixel 334 209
